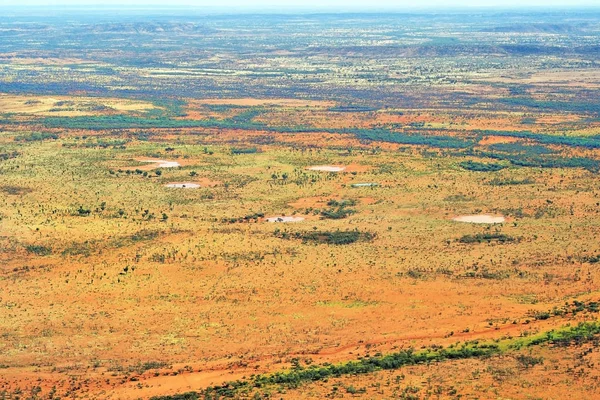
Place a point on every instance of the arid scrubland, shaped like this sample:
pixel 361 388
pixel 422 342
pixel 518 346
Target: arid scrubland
pixel 388 212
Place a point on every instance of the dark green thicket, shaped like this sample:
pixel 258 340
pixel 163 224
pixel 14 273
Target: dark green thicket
pixel 520 148
pixel 591 142
pixel 481 167
pixel 242 150
pixel 385 135
pixel 592 259
pixel 338 209
pixel 562 106
pixel 551 161
pixel 39 250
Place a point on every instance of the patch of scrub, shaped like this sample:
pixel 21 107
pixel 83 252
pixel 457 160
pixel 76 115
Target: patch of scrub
pixel 359 185
pixel 285 219
pixel 327 168
pixel 480 219
pixel 347 304
pixel 163 163
pixel 186 185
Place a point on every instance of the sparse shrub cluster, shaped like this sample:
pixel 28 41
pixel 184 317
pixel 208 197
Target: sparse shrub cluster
pixel 339 209
pixel 100 143
pixel 39 250
pixel 487 237
pixel 36 137
pixel 591 259
pixel 511 182
pixel 8 155
pixel 15 190
pixel 335 237
pixel 137 171
pixel 248 218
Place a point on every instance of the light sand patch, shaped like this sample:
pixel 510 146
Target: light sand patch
pixel 284 219
pixel 161 163
pixel 360 185
pixel 480 219
pixel 327 168
pixel 185 185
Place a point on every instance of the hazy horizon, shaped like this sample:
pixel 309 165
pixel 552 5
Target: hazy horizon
pixel 304 5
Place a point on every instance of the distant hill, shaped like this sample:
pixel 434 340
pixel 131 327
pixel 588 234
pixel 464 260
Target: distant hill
pixel 151 27
pixel 537 28
pixel 432 50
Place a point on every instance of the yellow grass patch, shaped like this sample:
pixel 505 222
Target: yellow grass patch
pixel 69 106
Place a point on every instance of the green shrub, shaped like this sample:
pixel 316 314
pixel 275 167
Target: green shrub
pixel 240 150
pixel 39 250
pixel 337 213
pixel 481 167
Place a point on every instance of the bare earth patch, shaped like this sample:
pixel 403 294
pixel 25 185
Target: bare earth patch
pixel 497 139
pixel 327 168
pixel 69 106
pixel 185 185
pixel 161 163
pixel 480 219
pixel 360 185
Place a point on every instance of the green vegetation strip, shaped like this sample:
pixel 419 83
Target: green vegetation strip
pixel 583 332
pixel 521 155
pixel 244 122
